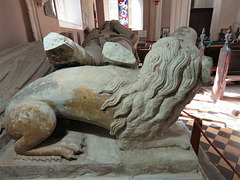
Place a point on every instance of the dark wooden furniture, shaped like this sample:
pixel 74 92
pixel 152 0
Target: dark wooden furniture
pixel 234 66
pixel 143 48
pixel 142 54
pixel 213 52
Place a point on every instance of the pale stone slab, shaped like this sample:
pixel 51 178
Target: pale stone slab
pixel 116 54
pixel 103 159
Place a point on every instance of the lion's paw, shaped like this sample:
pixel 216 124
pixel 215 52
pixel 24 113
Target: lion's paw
pixel 68 146
pixel 73 141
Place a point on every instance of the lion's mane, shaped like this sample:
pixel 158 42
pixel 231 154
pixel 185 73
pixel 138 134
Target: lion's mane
pixel 153 102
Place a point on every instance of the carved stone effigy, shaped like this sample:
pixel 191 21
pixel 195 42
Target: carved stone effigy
pixel 60 49
pixel 136 106
pixel 63 52
pixel 112 38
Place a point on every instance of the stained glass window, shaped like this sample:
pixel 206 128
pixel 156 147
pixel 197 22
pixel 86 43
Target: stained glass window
pixel 128 12
pixel 123 12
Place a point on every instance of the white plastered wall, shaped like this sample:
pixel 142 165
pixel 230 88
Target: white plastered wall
pixel 225 13
pixel 180 14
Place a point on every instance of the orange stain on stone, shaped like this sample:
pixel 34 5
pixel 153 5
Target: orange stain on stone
pixel 27 121
pixel 87 104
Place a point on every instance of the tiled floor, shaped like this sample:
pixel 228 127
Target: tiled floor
pixel 222 128
pixel 228 143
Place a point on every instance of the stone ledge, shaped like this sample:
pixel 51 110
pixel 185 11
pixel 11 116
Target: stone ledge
pixel 103 159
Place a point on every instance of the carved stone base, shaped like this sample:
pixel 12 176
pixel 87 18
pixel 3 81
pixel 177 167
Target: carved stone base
pixel 103 159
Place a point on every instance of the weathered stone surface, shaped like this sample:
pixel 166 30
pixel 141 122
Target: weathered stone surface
pixel 102 158
pixel 116 54
pixel 137 106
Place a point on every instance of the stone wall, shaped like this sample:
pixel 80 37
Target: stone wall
pixel 12 28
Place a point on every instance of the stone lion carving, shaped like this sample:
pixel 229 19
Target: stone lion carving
pixel 135 105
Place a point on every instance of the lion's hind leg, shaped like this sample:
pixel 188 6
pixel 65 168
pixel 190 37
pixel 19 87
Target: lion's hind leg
pixel 31 123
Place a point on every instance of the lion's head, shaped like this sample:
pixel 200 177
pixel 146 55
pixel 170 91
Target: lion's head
pixel 169 79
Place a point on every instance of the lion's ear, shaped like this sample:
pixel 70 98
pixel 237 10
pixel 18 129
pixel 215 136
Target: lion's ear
pixel 167 48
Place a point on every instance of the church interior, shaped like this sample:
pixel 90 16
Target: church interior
pixel 25 23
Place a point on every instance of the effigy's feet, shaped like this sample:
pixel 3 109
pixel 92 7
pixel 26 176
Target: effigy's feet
pixel 64 52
